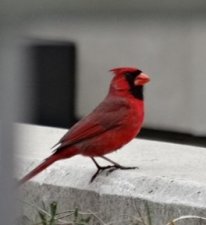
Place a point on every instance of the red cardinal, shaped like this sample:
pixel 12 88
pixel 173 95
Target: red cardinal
pixel 115 121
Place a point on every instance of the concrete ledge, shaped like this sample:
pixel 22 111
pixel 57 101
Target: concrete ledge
pixel 171 179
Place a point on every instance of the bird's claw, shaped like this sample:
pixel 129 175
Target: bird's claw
pixel 110 170
pixel 99 170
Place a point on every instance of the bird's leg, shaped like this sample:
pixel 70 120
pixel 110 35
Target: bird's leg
pixel 99 169
pixel 110 167
pixel 117 165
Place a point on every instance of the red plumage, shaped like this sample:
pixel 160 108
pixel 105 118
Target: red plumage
pixel 115 121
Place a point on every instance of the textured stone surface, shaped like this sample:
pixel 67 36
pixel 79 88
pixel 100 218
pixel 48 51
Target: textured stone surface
pixel 171 179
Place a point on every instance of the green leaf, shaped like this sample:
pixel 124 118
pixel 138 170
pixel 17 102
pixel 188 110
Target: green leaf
pixel 87 219
pixel 53 210
pixel 43 218
pixel 76 215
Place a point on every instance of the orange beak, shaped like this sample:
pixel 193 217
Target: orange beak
pixel 142 79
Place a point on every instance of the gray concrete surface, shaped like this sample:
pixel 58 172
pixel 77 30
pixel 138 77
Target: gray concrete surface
pixel 171 179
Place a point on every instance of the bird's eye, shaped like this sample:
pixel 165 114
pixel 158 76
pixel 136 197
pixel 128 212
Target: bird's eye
pixel 133 74
pixel 130 77
pixel 127 74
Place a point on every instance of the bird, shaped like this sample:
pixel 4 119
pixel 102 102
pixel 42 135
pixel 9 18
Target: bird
pixel 112 124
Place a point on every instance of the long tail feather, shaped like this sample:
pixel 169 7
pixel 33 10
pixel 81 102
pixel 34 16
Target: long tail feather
pixel 51 159
pixel 60 153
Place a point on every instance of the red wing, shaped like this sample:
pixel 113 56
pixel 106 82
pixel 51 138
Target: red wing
pixel 81 133
pixel 105 117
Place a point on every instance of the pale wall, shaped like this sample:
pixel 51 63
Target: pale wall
pixel 169 47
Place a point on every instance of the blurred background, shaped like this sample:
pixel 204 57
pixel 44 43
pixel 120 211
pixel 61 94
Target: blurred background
pixel 56 56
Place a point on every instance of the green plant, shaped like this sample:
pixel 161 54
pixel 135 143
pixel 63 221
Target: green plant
pixel 54 218
pixel 50 216
pixel 79 219
pixel 44 218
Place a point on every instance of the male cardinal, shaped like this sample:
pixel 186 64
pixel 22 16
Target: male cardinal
pixel 115 121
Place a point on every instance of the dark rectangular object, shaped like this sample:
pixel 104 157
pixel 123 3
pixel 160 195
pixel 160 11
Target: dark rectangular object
pixel 53 70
